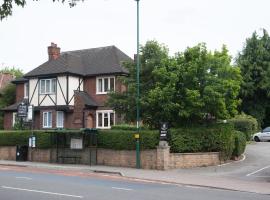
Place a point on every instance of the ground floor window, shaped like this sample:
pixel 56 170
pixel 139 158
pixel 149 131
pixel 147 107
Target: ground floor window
pixel 105 118
pixel 60 119
pixel 47 119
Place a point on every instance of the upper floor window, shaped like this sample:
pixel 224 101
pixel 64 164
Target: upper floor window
pixel 47 86
pixel 26 90
pixel 105 84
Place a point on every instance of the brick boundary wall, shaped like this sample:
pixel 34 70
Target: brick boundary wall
pixel 8 153
pixel 159 158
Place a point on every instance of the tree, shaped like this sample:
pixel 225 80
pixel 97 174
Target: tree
pixel 254 62
pixel 190 87
pixel 8 94
pixel 196 86
pixel 152 55
pixel 7 6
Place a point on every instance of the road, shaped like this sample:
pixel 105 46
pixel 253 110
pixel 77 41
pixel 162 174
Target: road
pixel 255 166
pixel 24 183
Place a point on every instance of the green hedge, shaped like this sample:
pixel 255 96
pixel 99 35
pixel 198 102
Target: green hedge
pixel 217 138
pixel 124 139
pixel 13 138
pixel 240 144
pixel 246 124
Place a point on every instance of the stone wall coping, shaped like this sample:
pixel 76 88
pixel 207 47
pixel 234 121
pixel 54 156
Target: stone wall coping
pixel 197 153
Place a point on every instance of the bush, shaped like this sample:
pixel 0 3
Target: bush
pixel 240 144
pixel 214 138
pixel 124 140
pixel 13 138
pixel 246 124
pixel 127 127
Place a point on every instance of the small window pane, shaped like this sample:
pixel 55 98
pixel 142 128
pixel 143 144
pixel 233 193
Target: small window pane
pixel 106 120
pixel 49 119
pixel 106 84
pixel 60 119
pixel 26 90
pixel 48 86
pixel 99 119
pixel 42 86
pixel 45 123
pixel 111 84
pixel 53 86
pixel 111 119
pixel 100 85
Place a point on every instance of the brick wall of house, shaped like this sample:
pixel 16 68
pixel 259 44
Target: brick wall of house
pixel 8 120
pixel 19 92
pixel 78 118
pixel 90 88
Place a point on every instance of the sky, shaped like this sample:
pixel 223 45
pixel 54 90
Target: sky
pixel 178 24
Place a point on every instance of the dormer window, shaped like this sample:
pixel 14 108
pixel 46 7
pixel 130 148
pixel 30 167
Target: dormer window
pixel 47 86
pixel 105 84
pixel 26 90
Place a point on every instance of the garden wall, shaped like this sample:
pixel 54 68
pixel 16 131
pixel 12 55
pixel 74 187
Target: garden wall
pixel 159 158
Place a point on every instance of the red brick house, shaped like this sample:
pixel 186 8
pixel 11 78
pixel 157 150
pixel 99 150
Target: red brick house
pixel 70 89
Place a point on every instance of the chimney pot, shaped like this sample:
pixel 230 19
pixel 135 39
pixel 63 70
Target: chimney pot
pixel 53 51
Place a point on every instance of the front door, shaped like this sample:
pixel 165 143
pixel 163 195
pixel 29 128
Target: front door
pixel 89 121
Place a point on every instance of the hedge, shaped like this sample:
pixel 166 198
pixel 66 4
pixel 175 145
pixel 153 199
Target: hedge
pixel 240 144
pixel 246 124
pixel 217 138
pixel 13 138
pixel 124 139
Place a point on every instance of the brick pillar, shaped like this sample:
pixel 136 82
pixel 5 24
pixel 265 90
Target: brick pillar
pixel 163 156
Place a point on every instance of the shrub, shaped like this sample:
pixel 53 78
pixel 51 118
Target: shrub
pixel 214 138
pixel 124 140
pixel 240 144
pixel 127 127
pixel 246 124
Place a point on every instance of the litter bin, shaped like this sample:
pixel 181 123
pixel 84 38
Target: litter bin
pixel 21 153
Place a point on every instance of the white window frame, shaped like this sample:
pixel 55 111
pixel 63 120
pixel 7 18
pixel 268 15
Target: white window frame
pixel 49 124
pixel 14 114
pixel 102 78
pixel 48 89
pixel 26 90
pixel 60 124
pixel 109 116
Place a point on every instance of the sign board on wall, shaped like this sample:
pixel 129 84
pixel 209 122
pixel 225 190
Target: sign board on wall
pixel 76 143
pixel 164 131
pixel 22 110
pixel 30 113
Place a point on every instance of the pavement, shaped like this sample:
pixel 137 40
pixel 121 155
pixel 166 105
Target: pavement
pixel 179 177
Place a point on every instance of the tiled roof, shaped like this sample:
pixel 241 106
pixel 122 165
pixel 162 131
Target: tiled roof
pixel 87 62
pixel 88 100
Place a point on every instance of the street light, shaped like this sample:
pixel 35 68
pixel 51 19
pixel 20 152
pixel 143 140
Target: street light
pixel 138 161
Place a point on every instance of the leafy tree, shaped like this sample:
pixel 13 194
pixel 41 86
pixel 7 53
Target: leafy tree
pixel 189 87
pixel 8 94
pixel 152 56
pixel 7 6
pixel 254 62
pixel 197 86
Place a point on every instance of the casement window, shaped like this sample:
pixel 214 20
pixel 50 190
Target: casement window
pixel 60 119
pixel 47 86
pixel 105 119
pixel 105 84
pixel 26 90
pixel 47 119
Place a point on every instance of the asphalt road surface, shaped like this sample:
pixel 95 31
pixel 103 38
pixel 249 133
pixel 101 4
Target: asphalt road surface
pixel 19 183
pixel 255 166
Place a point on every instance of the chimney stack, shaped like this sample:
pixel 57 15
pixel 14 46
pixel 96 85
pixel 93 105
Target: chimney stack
pixel 53 51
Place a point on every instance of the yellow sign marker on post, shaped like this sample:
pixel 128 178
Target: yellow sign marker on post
pixel 136 136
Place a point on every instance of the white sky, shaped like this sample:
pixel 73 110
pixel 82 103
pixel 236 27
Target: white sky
pixel 25 35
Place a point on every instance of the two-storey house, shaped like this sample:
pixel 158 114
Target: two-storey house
pixel 70 89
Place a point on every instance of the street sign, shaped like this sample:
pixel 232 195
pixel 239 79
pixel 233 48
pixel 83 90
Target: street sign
pixel 30 113
pixel 32 141
pixel 22 110
pixel 164 131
